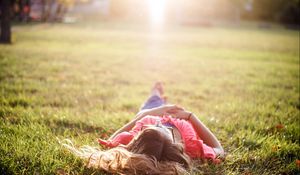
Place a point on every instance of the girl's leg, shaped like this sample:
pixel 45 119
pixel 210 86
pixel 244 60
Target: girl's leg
pixel 156 98
pixel 152 102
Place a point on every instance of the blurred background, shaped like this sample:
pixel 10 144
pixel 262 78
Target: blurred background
pixel 173 11
pixel 185 12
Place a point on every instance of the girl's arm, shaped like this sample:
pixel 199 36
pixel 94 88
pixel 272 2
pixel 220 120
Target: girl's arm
pixel 206 135
pixel 203 132
pixel 129 125
pixel 159 111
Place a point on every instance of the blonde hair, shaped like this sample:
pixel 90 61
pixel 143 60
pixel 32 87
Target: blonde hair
pixel 140 156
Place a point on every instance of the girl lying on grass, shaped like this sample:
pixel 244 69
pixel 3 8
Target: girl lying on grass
pixel 161 139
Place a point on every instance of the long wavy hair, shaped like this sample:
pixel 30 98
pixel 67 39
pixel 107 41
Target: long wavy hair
pixel 151 152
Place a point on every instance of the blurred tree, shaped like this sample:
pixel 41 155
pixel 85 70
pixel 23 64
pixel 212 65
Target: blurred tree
pixel 62 8
pixel 5 36
pixel 22 10
pixel 283 11
pixel 238 7
pixel 119 8
pixel 290 13
pixel 54 10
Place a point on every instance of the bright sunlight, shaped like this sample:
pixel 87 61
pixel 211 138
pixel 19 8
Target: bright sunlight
pixel 156 11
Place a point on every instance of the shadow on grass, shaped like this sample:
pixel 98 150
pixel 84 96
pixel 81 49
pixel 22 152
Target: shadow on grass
pixel 4 170
pixel 85 171
pixel 57 126
pixel 94 171
pixel 15 163
pixel 272 163
pixel 60 126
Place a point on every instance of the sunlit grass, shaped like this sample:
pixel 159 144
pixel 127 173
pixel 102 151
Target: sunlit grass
pixel 84 82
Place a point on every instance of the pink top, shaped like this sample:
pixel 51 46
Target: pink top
pixel 193 145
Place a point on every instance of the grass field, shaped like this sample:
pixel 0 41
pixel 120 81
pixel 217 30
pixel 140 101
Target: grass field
pixel 85 81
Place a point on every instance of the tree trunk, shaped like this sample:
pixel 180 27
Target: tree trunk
pixel 5 36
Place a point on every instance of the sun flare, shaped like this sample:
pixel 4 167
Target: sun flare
pixel 156 11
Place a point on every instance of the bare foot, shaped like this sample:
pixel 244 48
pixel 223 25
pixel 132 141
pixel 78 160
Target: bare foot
pixel 159 91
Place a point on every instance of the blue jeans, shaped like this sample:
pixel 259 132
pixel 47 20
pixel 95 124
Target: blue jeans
pixel 153 102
